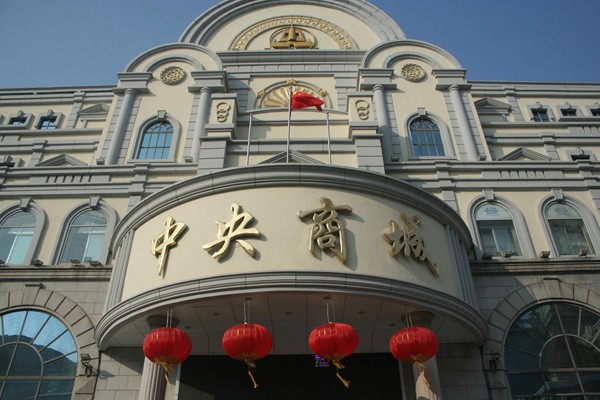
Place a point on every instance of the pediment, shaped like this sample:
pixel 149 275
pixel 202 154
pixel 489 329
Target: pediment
pixel 96 112
pixel 62 160
pixel 524 154
pixel 295 157
pixel 492 106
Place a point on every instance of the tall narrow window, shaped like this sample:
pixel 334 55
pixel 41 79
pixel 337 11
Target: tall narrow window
pixel 497 230
pixel 85 238
pixel 426 138
pixel 38 357
pixel 156 141
pixel 568 230
pixel 15 237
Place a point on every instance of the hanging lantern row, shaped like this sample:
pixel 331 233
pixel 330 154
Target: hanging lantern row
pixel 250 342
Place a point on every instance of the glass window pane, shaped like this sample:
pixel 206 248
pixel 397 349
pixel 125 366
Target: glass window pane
pixel 20 219
pixel 150 153
pixel 556 355
pixel 569 316
pixel 20 390
pixel 526 384
pixel 562 211
pixel 161 140
pixel 562 382
pixel 590 381
pixel 521 340
pixel 33 323
pixel 491 211
pixel 590 324
pixel 168 141
pixel 143 152
pixel 570 236
pixel 547 315
pixel 6 354
pixel 63 345
pixel 91 217
pixel 499 236
pixel 20 246
pixel 49 332
pixel 585 355
pixel 12 324
pixel 26 362
pixel 153 138
pixel 56 390
pixel 64 366
pixel 534 327
pixel 519 361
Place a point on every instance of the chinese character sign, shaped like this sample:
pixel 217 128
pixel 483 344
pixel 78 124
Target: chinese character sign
pixel 168 238
pixel 328 230
pixel 410 240
pixel 236 228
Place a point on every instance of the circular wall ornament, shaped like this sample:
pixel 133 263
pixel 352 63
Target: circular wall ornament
pixel 412 72
pixel 172 75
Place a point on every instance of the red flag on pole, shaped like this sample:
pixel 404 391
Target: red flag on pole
pixel 302 100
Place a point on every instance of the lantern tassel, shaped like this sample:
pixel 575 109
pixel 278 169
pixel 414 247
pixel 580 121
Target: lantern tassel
pixel 168 368
pixel 338 366
pixel 422 369
pixel 251 364
pixel 345 382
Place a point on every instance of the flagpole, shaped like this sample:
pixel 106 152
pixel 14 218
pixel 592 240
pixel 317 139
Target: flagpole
pixel 328 137
pixel 248 149
pixel 287 155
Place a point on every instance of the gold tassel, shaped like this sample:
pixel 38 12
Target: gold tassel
pixel 338 366
pixel 422 369
pixel 345 382
pixel 167 368
pixel 251 364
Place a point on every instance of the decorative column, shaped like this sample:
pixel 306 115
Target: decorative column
pixel 117 139
pixel 154 384
pixel 383 122
pixel 424 319
pixel 463 123
pixel 199 129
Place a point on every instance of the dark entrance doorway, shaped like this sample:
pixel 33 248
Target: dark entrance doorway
pixel 372 376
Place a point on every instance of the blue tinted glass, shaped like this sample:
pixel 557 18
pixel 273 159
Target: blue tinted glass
pixel 12 324
pixel 150 153
pixel 63 345
pixel 26 362
pixel 64 366
pixel 20 390
pixel 91 217
pixel 49 332
pixel 56 390
pixel 20 219
pixel 33 324
pixel 143 152
pixel 161 140
pixel 168 141
pixel 153 138
pixel 6 354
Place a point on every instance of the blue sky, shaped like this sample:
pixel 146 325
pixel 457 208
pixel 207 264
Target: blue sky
pixel 85 42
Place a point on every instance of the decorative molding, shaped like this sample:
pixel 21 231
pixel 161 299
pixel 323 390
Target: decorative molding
pixel 488 105
pixel 239 284
pixel 295 157
pixel 525 152
pixel 60 160
pixel 341 37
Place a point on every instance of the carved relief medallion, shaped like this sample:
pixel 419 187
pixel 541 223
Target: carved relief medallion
pixel 172 75
pixel 412 72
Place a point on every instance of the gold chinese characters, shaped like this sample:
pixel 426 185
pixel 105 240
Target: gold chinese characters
pixel 233 230
pixel 168 238
pixel 409 239
pixel 326 227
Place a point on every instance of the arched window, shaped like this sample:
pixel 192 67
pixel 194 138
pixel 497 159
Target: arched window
pixel 16 233
pixel 553 350
pixel 85 237
pixel 497 230
pixel 38 357
pixel 156 141
pixel 569 232
pixel 426 138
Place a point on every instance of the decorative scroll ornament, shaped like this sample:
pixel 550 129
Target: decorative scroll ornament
pixel 327 228
pixel 172 75
pixel 362 109
pixel 323 92
pixel 284 23
pixel 292 38
pixel 160 246
pixel 280 96
pixel 223 111
pixel 410 240
pixel 412 72
pixel 233 230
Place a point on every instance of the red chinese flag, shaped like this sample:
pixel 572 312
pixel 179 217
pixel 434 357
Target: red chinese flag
pixel 303 100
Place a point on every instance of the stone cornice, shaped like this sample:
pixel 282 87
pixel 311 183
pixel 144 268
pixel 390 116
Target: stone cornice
pixel 54 273
pixel 558 266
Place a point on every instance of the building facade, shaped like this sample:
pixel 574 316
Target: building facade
pixel 189 192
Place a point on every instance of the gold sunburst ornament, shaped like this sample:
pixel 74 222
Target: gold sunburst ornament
pixel 280 97
pixel 412 72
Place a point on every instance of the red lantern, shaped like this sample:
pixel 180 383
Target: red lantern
pixel 334 342
pixel 248 343
pixel 167 347
pixel 414 346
